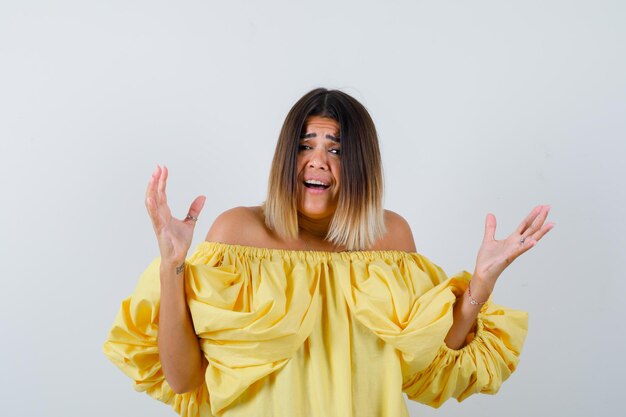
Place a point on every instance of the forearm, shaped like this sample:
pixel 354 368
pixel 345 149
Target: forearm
pixel 465 313
pixel 179 351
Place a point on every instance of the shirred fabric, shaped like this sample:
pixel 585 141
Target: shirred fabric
pixel 317 333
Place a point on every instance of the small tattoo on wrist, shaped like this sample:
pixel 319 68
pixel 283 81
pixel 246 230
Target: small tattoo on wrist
pixel 180 268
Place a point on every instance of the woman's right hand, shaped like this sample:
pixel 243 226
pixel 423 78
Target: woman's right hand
pixel 173 235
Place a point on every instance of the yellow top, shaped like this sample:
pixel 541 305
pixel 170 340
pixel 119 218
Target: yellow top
pixel 316 333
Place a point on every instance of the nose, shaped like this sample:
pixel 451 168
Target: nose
pixel 319 159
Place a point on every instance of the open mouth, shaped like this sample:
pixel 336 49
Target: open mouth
pixel 316 185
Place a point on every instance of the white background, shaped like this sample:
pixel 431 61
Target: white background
pixel 480 106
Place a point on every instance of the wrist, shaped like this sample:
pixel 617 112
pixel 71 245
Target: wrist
pixel 479 290
pixel 482 284
pixel 177 267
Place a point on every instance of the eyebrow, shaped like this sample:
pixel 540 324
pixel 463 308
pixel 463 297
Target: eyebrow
pixel 314 135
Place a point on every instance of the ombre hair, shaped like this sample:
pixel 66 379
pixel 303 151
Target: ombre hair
pixel 358 220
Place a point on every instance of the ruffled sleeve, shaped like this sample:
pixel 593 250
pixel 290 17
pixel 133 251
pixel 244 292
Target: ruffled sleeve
pixel 132 346
pixel 250 319
pixel 408 302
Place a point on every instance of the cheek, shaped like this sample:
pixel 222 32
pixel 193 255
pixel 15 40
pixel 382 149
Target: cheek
pixel 300 164
pixel 336 168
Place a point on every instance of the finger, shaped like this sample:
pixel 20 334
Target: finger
pixel 525 246
pixel 152 211
pixel 161 188
pixel 528 220
pixel 152 182
pixel 155 218
pixel 521 245
pixel 537 223
pixel 155 184
pixel 490 227
pixel 542 232
pixel 150 198
pixel 195 208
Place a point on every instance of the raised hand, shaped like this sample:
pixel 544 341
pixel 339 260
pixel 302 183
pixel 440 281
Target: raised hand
pixel 173 235
pixel 495 255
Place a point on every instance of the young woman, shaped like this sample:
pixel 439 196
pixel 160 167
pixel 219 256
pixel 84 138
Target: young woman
pixel 315 303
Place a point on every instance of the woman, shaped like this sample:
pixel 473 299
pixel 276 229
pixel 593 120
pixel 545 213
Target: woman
pixel 315 303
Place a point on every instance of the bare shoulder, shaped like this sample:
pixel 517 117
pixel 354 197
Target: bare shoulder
pixel 239 226
pixel 398 236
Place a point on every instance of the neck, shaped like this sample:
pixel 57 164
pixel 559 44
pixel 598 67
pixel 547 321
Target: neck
pixel 317 228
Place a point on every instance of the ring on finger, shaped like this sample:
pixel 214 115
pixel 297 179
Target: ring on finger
pixel 190 217
pixel 522 240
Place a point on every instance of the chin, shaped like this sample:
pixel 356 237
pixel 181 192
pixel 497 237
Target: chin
pixel 316 213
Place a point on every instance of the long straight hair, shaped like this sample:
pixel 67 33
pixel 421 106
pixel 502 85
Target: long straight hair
pixel 358 220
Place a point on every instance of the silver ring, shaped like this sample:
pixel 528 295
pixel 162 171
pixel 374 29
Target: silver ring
pixel 521 240
pixel 190 217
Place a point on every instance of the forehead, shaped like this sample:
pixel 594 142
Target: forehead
pixel 321 123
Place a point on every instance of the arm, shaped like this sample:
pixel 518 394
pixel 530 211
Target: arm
pixel 180 355
pixel 179 352
pixel 493 257
pixel 464 314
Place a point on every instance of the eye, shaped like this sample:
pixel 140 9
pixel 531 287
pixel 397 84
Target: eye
pixel 335 151
pixel 304 147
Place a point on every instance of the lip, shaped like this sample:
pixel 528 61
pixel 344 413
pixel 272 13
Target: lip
pixel 316 191
pixel 320 179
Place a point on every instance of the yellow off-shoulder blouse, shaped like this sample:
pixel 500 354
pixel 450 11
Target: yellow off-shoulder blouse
pixel 311 333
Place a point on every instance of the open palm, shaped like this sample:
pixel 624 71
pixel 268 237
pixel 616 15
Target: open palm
pixel 495 255
pixel 173 235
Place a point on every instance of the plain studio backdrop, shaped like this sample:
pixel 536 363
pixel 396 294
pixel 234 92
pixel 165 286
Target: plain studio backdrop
pixel 481 106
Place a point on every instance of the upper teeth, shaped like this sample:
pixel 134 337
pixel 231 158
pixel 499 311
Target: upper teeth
pixel 316 182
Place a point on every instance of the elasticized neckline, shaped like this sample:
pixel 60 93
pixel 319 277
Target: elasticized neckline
pixel 258 252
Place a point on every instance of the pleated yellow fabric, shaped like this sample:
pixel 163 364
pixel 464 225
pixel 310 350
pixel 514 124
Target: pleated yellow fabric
pixel 317 334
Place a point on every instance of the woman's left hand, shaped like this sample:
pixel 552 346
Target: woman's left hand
pixel 495 255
